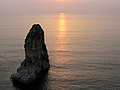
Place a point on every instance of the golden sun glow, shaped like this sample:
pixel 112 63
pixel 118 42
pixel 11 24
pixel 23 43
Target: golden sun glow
pixel 62 40
pixel 62 22
pixel 62 35
pixel 63 0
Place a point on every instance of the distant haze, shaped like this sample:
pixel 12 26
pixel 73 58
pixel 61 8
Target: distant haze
pixel 37 7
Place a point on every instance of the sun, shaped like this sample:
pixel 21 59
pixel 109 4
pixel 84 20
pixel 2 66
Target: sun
pixel 63 0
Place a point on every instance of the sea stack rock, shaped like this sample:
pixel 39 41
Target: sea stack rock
pixel 36 62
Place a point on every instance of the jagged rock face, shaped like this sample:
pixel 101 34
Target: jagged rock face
pixel 36 57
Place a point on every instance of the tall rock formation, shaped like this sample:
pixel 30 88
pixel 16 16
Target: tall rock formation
pixel 36 61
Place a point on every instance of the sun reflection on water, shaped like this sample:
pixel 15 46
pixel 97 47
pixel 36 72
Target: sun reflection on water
pixel 62 22
pixel 61 59
pixel 61 44
pixel 61 33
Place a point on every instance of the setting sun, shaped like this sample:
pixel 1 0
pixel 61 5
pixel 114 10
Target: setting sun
pixel 63 0
pixel 59 44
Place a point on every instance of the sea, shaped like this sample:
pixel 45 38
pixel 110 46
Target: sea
pixel 84 50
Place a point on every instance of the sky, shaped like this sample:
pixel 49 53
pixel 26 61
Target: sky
pixel 36 7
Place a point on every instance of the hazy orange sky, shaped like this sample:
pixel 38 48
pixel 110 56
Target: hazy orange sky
pixel 36 7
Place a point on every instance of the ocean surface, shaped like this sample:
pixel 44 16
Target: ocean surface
pixel 84 50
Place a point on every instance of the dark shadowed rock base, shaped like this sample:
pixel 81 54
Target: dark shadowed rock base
pixel 36 63
pixel 38 84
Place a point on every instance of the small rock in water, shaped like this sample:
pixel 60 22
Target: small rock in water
pixel 36 61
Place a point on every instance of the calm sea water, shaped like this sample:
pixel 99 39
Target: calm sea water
pixel 84 50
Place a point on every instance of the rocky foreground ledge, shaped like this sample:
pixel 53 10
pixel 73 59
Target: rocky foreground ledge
pixel 36 62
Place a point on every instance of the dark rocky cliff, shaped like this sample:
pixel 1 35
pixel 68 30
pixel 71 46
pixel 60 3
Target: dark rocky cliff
pixel 36 57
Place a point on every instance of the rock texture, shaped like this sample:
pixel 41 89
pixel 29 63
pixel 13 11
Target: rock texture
pixel 36 61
